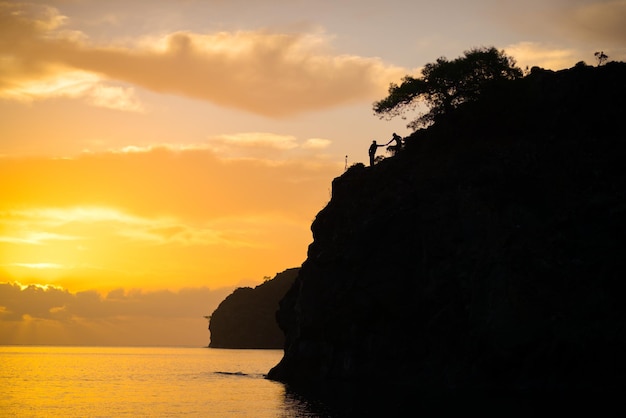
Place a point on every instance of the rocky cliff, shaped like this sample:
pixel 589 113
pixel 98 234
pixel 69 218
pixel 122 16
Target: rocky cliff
pixel 247 317
pixel 489 254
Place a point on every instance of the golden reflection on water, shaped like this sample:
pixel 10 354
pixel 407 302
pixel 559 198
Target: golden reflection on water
pixel 156 382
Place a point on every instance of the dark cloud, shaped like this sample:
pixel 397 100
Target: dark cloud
pixel 19 303
pixel 33 301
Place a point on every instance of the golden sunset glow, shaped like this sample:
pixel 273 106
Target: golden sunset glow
pixel 157 225
pixel 156 155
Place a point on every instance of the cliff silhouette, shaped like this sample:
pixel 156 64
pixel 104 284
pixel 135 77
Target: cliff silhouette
pixel 487 256
pixel 246 318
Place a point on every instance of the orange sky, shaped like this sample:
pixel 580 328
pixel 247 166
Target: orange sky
pixel 147 217
pixel 154 155
pixel 141 222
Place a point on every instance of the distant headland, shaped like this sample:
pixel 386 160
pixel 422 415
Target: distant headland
pixel 247 317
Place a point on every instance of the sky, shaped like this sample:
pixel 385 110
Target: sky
pixel 155 155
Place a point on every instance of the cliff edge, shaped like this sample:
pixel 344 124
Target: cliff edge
pixel 488 254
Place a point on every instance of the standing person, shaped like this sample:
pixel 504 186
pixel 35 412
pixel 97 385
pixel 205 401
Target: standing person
pixel 395 149
pixel 372 151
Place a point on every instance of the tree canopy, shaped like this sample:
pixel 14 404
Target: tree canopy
pixel 444 85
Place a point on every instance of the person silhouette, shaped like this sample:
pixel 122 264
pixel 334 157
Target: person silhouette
pixel 395 149
pixel 372 151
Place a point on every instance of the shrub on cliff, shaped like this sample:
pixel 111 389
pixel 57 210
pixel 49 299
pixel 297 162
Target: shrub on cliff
pixel 445 85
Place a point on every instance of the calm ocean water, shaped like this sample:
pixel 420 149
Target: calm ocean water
pixel 93 382
pixel 143 382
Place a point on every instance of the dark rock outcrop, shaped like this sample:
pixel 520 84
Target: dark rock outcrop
pixel 247 317
pixel 489 255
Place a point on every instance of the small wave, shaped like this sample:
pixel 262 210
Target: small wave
pixel 233 373
pixel 242 374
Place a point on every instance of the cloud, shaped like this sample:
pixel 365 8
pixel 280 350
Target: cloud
pixel 114 97
pixel 316 143
pixel 34 301
pixel 34 238
pixel 263 145
pixel 31 226
pixel 28 31
pixel 530 54
pixel 267 73
pixel 55 303
pixel 73 85
pixel 259 141
pixel 113 316
pixel 37 265
pixel 129 149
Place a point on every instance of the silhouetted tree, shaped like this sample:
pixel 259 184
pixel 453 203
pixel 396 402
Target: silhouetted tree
pixel 445 85
pixel 601 57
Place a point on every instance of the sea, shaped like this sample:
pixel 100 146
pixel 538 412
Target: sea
pixel 91 382
pixel 45 381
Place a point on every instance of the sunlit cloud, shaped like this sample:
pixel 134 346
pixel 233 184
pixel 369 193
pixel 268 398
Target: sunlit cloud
pixel 38 265
pixel 129 149
pixel 26 78
pixel 73 85
pixel 160 230
pixel 35 238
pixel 272 74
pixel 263 145
pixel 43 287
pixel 531 54
pixel 258 140
pixel 53 217
pixel 252 145
pixel 114 97
pixel 316 143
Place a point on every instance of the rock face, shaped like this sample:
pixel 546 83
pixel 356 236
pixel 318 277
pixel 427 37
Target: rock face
pixel 489 254
pixel 247 317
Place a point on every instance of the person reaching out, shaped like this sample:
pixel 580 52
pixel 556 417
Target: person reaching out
pixel 395 149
